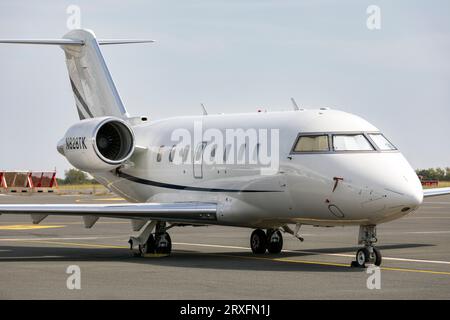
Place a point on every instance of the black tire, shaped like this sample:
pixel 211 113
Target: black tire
pixel 258 241
pixel 274 242
pixel 163 247
pixel 149 247
pixel 378 257
pixel 362 256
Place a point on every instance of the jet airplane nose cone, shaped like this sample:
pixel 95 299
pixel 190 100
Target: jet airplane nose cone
pixel 414 198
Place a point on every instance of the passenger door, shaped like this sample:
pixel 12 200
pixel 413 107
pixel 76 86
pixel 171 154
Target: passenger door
pixel 198 160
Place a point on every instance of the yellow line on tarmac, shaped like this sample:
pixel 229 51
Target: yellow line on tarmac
pixel 332 264
pixel 76 244
pixel 105 199
pixel 416 270
pixel 28 227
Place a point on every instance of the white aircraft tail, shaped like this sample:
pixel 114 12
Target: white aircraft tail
pixel 92 85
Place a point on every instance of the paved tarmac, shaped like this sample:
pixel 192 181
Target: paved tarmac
pixel 216 263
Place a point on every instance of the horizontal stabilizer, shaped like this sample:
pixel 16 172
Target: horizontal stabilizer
pixel 68 42
pixel 94 90
pixel 60 42
pixel 123 41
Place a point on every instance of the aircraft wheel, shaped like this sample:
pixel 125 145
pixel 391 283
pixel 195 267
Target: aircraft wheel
pixel 149 247
pixel 378 258
pixel 163 243
pixel 258 241
pixel 362 256
pixel 275 242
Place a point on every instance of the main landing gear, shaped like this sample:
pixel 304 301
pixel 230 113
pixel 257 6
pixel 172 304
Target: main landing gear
pixel 272 241
pixel 158 242
pixel 368 254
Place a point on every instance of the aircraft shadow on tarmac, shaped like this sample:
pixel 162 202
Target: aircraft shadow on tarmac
pixel 190 258
pixel 353 249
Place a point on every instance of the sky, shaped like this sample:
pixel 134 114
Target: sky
pixel 234 56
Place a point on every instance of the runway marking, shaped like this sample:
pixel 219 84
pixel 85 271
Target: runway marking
pixel 426 232
pixel 32 257
pixel 49 240
pixel 78 244
pixel 43 238
pixel 436 202
pixel 429 218
pixel 340 264
pixel 106 199
pixel 73 223
pixel 29 227
pixel 316 252
pixel 288 260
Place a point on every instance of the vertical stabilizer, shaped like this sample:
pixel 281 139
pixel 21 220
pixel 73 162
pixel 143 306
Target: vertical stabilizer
pixel 92 85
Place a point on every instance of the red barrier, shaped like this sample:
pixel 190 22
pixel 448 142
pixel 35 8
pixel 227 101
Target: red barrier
pixel 28 181
pixel 3 180
pixel 430 183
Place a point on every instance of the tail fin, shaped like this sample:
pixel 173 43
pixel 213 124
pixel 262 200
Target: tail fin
pixel 92 85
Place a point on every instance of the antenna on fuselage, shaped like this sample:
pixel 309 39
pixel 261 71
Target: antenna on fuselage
pixel 294 104
pixel 204 109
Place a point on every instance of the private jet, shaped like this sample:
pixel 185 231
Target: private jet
pixel 268 171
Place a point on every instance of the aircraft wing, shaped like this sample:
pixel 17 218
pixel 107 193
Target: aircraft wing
pixel 182 212
pixel 435 192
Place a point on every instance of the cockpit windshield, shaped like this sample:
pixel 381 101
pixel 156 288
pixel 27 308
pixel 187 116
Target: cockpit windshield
pixel 381 142
pixel 327 142
pixel 351 142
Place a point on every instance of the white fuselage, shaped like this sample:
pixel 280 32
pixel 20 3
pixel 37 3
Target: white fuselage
pixel 325 188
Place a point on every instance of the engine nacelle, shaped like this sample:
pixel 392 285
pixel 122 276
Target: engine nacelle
pixel 98 144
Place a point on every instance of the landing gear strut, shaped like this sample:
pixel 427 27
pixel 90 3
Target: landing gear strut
pixel 153 243
pixel 272 241
pixel 367 254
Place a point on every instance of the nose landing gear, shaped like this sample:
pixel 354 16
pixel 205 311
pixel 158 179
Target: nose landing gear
pixel 368 254
pixel 272 241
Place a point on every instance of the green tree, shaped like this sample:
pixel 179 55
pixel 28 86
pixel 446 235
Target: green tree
pixel 74 176
pixel 434 174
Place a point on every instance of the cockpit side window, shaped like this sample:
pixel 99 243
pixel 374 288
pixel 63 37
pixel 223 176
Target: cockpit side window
pixel 381 142
pixel 312 143
pixel 351 142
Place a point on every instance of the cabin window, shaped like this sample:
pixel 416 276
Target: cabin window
pixel 256 152
pixel 351 142
pixel 226 150
pixel 199 151
pixel 381 142
pixel 213 152
pixel 185 153
pixel 312 143
pixel 159 155
pixel 172 153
